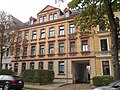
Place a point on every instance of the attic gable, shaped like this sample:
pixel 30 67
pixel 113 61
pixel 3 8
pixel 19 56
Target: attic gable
pixel 47 8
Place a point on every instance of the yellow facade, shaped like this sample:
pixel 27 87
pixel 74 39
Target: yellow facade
pixel 79 58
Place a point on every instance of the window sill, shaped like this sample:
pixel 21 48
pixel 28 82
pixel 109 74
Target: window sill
pixel 24 56
pixel 51 37
pixel 17 57
pixel 85 52
pixel 73 53
pixel 61 74
pixel 33 39
pixel 32 55
pixel 61 36
pixel 50 54
pixel 41 55
pixel 42 38
pixel 61 53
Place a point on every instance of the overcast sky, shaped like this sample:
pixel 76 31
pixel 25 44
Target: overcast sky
pixel 23 9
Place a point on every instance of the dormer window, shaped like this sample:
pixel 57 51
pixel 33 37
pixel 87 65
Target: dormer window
pixel 55 16
pixel 40 19
pixel 67 14
pixel 44 19
pixel 51 17
pixel 31 22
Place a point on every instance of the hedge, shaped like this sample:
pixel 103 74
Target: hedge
pixel 6 72
pixel 38 76
pixel 102 80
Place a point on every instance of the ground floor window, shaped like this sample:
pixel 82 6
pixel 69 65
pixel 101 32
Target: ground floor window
pixel 50 65
pixel 16 67
pixel 61 67
pixel 23 66
pixel 40 66
pixel 106 69
pixel 32 65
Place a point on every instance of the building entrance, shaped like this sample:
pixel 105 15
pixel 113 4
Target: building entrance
pixel 81 72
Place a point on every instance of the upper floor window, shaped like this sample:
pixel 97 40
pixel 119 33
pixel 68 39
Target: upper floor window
pixel 61 47
pixel 41 20
pixel 103 43
pixel 55 16
pixel 7 51
pixel 61 32
pixel 33 50
pixel 84 45
pixel 72 47
pixel 16 67
pixel 32 65
pixel 17 52
pixel 52 32
pixel 50 17
pixel 51 48
pixel 26 36
pixel 102 28
pixel 19 38
pixel 25 51
pixel 44 18
pixel 72 29
pixel 42 35
pixel 40 66
pixel 50 65
pixel 106 69
pixel 34 36
pixel 41 49
pixel 67 14
pixel 61 67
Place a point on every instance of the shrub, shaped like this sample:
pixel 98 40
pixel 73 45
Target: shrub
pixel 38 76
pixel 102 80
pixel 6 72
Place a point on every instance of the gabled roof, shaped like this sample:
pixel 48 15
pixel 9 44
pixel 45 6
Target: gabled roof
pixel 47 8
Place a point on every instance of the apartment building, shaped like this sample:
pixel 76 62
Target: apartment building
pixel 53 43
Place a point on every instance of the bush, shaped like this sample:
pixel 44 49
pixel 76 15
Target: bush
pixel 102 80
pixel 38 76
pixel 6 72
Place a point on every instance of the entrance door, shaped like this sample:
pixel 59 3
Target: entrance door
pixel 81 72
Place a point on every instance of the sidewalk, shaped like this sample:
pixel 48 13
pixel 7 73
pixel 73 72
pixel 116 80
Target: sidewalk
pixel 60 86
pixel 45 87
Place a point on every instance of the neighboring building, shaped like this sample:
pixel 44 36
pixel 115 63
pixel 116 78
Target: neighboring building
pixel 52 42
pixel 7 57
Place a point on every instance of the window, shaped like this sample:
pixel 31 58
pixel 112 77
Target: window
pixel 51 48
pixel 55 16
pixel 52 32
pixel 34 35
pixel 25 51
pixel 61 67
pixel 72 29
pixel 40 66
pixel 61 32
pixel 105 65
pixel 118 43
pixel 40 19
pixel 42 35
pixel 19 38
pixel 67 14
pixel 6 66
pixel 84 45
pixel 104 45
pixel 17 52
pixel 102 28
pixel 50 65
pixel 41 49
pixel 16 67
pixel 50 17
pixel 32 65
pixel 33 50
pixel 26 36
pixel 23 67
pixel 7 52
pixel 61 48
pixel 72 47
pixel 44 19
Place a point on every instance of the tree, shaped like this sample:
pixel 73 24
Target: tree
pixel 99 12
pixel 7 34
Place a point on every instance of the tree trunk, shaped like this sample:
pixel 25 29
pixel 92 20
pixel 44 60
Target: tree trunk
pixel 114 40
